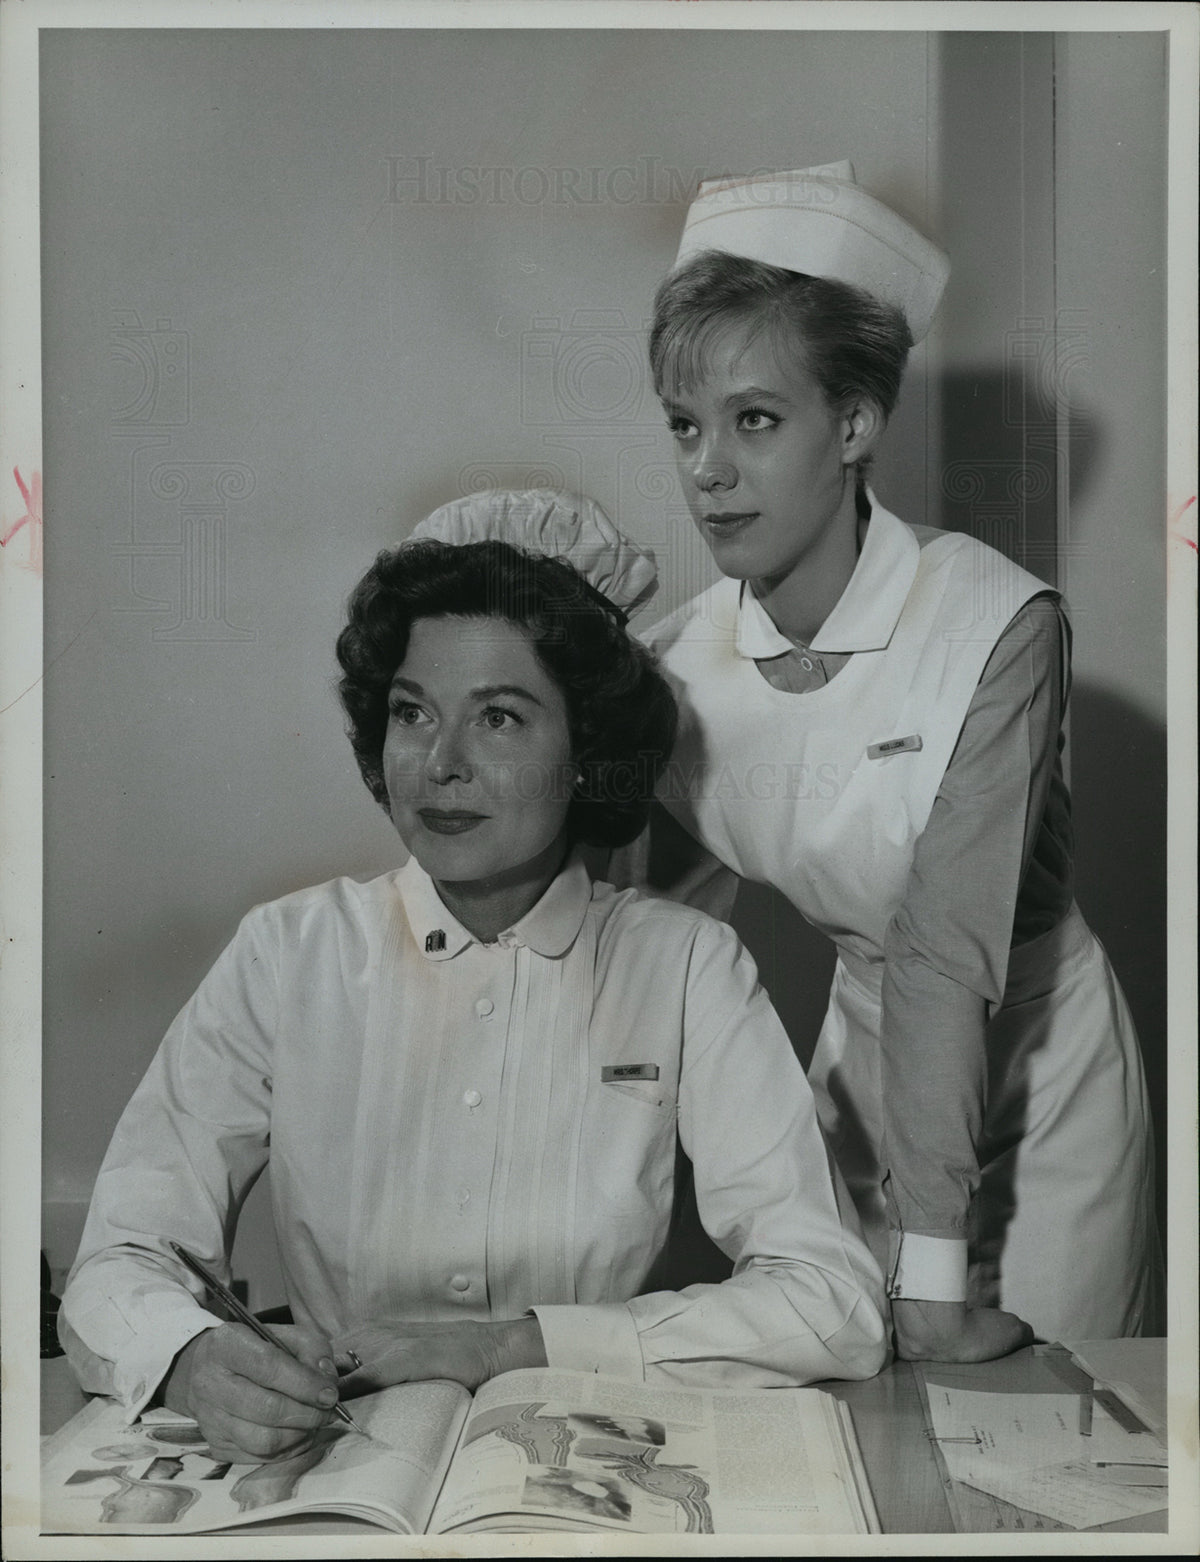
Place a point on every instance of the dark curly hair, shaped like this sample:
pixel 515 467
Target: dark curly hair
pixel 854 345
pixel 621 713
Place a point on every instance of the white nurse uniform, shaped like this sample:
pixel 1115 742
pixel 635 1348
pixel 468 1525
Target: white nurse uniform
pixel 825 795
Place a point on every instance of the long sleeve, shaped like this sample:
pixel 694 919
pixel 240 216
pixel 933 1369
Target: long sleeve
pixel 805 1297
pixel 991 868
pixel 184 1155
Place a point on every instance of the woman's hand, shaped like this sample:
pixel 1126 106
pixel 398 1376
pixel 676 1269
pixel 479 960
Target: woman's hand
pixel 952 1331
pixel 468 1353
pixel 253 1401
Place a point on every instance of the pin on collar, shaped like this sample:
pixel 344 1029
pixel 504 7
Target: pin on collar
pixel 435 942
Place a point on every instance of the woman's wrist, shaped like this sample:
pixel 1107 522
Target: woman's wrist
pixel 954 1331
pixel 175 1390
pixel 517 1343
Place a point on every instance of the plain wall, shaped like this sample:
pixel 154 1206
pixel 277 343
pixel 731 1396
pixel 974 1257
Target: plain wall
pixel 299 289
pixel 1111 279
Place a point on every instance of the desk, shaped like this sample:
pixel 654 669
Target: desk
pixel 912 1494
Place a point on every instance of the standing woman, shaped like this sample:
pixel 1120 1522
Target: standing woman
pixel 871 722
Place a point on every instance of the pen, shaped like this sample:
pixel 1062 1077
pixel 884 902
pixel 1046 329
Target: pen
pixel 244 1315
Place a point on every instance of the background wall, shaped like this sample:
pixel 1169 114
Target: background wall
pixel 1110 163
pixel 300 288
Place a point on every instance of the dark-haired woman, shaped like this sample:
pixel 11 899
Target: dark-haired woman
pixel 871 721
pixel 471 1077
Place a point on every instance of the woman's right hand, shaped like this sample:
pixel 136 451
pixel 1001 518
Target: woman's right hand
pixel 952 1331
pixel 253 1401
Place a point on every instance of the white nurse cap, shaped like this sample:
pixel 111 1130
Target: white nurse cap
pixel 567 526
pixel 818 221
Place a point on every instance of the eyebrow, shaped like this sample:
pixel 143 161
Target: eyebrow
pixel 745 393
pixel 487 691
pixel 754 393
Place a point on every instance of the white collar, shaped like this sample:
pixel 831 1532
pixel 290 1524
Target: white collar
pixel 549 927
pixel 867 611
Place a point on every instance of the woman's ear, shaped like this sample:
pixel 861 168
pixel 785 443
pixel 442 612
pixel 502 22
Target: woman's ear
pixel 862 426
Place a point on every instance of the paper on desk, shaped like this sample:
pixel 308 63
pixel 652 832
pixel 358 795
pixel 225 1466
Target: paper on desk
pixel 1133 1475
pixel 1068 1493
pixel 1109 1362
pixel 1027 1450
pixel 1110 1443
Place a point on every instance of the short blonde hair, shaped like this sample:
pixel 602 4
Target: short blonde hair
pixel 854 345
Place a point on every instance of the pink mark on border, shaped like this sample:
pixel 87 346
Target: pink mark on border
pixel 32 495
pixel 1177 517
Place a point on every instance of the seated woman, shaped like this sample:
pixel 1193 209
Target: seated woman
pixel 471 1076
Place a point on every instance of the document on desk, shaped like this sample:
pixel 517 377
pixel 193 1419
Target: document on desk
pixel 1135 1370
pixel 1028 1450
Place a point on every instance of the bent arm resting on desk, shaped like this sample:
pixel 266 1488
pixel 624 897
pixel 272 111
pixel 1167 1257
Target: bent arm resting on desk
pixel 805 1299
pixel 186 1151
pixel 469 1352
pixel 991 868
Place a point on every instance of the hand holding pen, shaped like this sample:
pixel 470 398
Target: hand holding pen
pixel 257 1394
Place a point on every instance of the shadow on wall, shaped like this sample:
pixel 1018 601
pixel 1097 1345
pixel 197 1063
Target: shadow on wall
pixel 1119 764
pixel 1007 456
pixel 1013 441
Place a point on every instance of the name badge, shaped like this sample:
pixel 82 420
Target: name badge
pixel 894 746
pixel 611 1072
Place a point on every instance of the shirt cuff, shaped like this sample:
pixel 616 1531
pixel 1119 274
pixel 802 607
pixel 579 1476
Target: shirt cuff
pixel 927 1269
pixel 138 1373
pixel 586 1338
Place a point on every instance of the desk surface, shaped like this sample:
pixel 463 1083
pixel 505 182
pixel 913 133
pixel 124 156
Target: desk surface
pixel 912 1494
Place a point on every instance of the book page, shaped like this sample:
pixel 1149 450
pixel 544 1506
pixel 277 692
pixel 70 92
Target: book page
pixel 574 1450
pixel 158 1476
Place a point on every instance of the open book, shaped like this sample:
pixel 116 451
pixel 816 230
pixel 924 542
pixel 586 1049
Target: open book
pixel 537 1449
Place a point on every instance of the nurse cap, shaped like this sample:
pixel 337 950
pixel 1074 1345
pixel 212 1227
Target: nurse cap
pixel 564 526
pixel 818 221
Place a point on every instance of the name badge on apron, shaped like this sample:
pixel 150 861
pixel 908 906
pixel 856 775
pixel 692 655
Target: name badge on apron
pixel 894 746
pixel 611 1073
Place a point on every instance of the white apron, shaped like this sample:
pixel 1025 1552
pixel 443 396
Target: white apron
pixel 793 790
